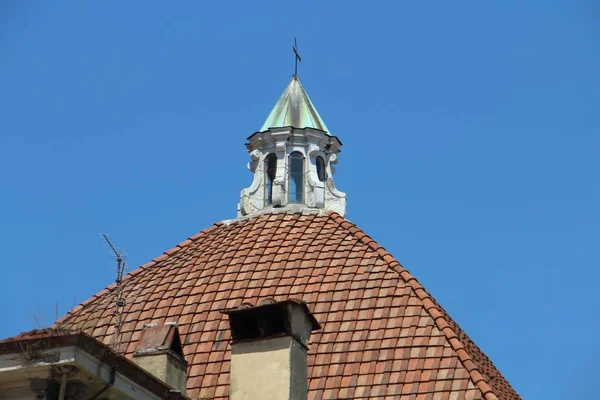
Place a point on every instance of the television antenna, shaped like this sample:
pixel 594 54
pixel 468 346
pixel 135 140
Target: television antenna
pixel 119 300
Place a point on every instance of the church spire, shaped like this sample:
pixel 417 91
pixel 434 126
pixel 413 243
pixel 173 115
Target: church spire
pixel 292 158
pixel 294 109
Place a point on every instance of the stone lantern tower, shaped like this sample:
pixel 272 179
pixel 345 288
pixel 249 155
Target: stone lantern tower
pixel 292 158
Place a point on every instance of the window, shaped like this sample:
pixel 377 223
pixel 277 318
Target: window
pixel 296 185
pixel 271 172
pixel 321 169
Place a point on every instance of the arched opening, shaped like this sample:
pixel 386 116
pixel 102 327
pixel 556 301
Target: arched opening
pixel 271 172
pixel 321 174
pixel 296 181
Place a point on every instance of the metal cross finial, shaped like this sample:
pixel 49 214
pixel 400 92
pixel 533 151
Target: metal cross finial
pixel 295 48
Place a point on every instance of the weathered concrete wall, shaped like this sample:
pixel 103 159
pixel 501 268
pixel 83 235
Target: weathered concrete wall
pixel 166 367
pixel 273 369
pixel 299 372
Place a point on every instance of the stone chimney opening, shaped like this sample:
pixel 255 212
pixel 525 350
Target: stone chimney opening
pixel 269 349
pixel 285 318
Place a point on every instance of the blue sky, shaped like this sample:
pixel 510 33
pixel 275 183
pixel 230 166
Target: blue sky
pixel 471 136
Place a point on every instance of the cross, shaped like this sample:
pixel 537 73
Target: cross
pixel 295 48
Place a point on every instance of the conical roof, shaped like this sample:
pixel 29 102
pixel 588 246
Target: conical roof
pixel 295 109
pixel 382 336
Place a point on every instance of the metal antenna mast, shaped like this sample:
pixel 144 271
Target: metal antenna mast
pixel 119 301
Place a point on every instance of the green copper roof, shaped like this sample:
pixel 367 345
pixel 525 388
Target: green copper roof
pixel 295 109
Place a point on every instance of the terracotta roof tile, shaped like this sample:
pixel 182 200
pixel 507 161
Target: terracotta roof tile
pixel 383 336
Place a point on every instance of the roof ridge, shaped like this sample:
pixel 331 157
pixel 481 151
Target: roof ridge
pixel 437 313
pixel 166 254
pixel 290 209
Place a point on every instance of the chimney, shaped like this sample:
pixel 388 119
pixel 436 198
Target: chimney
pixel 269 350
pixel 159 352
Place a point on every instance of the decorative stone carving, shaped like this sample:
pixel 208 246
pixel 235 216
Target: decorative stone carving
pixel 313 150
pixel 311 143
pixel 280 147
pixel 255 156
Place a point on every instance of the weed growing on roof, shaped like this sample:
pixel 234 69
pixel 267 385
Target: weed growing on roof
pixel 31 352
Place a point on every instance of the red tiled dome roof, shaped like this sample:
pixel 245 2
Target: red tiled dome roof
pixel 382 334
